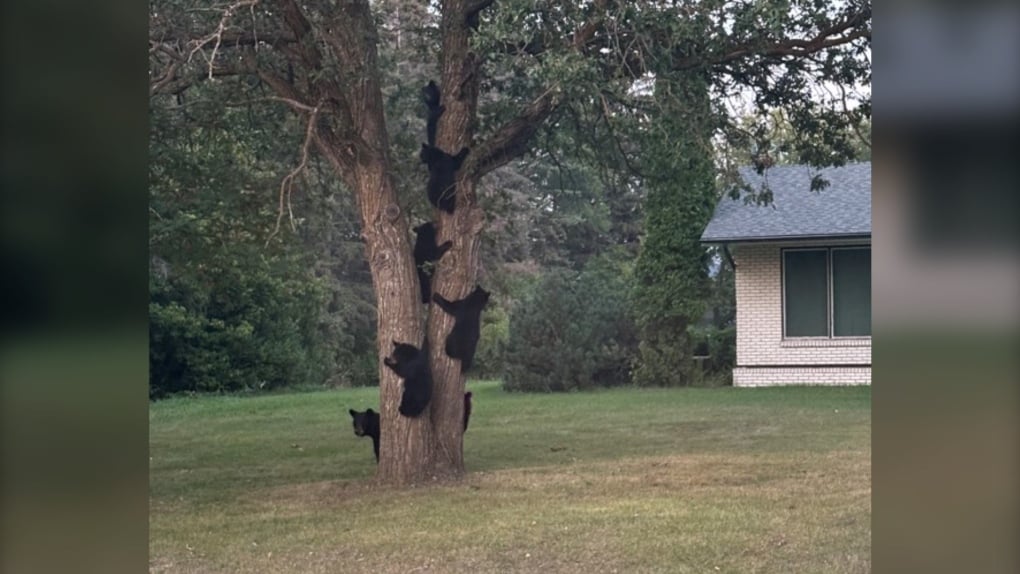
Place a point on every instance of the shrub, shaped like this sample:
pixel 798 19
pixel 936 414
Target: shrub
pixel 719 344
pixel 491 353
pixel 245 330
pixel 572 331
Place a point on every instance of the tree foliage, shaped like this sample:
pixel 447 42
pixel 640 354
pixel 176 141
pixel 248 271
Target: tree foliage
pixel 240 299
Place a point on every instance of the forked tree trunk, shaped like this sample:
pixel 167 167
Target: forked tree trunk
pixel 428 447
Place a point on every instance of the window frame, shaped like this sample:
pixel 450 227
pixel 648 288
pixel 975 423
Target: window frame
pixel 829 289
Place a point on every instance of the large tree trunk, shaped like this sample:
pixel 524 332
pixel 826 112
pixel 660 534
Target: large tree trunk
pixel 457 271
pixel 354 140
pixel 359 150
pixel 428 447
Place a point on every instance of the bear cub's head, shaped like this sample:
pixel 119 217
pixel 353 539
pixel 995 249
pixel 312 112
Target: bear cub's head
pixel 426 230
pixel 363 422
pixel 477 298
pixel 403 353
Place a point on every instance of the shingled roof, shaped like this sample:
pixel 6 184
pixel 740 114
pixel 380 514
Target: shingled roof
pixel 841 210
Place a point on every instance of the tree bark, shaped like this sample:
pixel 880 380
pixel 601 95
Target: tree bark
pixel 361 157
pixel 428 447
pixel 457 272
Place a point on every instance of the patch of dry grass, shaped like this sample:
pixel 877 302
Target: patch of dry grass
pixel 718 480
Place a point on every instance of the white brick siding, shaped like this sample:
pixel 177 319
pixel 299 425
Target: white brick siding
pixel 757 377
pixel 763 356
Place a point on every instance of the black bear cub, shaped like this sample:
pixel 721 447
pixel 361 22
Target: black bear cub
pixel 426 252
pixel 442 175
pixel 367 424
pixel 412 365
pixel 442 166
pixel 430 94
pixel 467 326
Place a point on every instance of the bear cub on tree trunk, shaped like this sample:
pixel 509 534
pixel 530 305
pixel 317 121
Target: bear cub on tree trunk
pixel 442 166
pixel 426 253
pixel 430 94
pixel 467 326
pixel 413 366
pixel 442 175
pixel 367 424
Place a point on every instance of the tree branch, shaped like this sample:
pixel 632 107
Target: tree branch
pixel 294 104
pixel 606 115
pixel 242 38
pixel 511 140
pixel 855 126
pixel 796 47
pixel 157 85
pixel 217 35
pixel 287 185
pixel 287 93
pixel 791 47
pixel 172 83
pixel 301 27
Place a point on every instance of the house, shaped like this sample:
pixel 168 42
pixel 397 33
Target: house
pixel 803 277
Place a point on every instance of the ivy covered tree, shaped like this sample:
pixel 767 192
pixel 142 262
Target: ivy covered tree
pixel 510 73
pixel 671 288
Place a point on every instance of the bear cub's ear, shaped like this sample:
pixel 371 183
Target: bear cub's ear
pixel 369 412
pixel 353 412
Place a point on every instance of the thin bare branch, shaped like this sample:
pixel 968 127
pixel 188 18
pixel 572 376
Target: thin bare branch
pixel 287 185
pixel 254 27
pixel 855 126
pixel 217 35
pixel 294 103
pixel 287 92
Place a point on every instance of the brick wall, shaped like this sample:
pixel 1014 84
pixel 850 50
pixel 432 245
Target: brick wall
pixel 763 356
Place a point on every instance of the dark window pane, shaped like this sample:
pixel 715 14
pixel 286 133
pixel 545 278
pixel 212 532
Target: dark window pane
pixel 851 292
pixel 806 294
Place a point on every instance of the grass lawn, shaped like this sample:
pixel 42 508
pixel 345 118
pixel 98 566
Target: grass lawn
pixel 623 480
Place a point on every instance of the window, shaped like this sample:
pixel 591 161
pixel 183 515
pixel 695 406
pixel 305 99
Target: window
pixel 851 292
pixel 827 292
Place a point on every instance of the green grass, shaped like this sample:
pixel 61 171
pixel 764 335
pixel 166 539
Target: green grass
pixel 625 480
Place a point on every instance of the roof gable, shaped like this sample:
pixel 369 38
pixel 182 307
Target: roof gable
pixel 843 209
